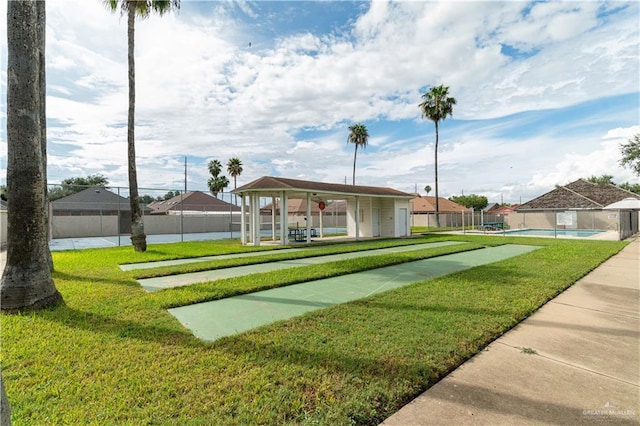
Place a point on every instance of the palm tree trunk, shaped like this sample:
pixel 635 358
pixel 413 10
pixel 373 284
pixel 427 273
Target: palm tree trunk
pixel 43 122
pixel 436 185
pixel 26 282
pixel 235 196
pixel 138 237
pixel 355 153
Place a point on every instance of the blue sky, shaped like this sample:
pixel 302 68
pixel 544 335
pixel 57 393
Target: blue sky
pixel 546 92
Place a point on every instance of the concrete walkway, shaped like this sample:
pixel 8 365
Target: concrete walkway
pixel 575 361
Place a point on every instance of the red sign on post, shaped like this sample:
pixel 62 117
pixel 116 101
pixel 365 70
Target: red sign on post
pixel 321 205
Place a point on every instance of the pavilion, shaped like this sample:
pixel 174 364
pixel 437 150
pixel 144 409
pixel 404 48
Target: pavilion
pixel 371 211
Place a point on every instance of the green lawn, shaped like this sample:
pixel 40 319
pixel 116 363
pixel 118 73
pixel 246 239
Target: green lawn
pixel 113 355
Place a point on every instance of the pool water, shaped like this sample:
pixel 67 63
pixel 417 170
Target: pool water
pixel 577 233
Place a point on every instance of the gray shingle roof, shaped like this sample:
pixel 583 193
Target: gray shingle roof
pixel 192 201
pixel 94 198
pixel 580 194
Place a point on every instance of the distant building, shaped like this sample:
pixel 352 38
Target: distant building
pixel 95 202
pixel 194 202
pixel 427 205
pixel 577 205
pixel 423 211
pixel 580 194
pixel 491 207
pixel 502 210
pixel 90 202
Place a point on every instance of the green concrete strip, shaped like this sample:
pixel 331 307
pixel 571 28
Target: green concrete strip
pixel 160 283
pixel 213 320
pixel 174 262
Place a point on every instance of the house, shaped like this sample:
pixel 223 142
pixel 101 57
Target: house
pixel 423 211
pixel 503 210
pixel 425 205
pixel 90 202
pixel 577 205
pixel 370 211
pixel 490 207
pixel 193 202
pixel 90 213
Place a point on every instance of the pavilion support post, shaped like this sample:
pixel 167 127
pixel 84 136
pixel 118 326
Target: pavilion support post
pixel 255 213
pixel 321 224
pixel 273 218
pixel 243 220
pixel 284 219
pixel 251 218
pixel 309 218
pixel 357 218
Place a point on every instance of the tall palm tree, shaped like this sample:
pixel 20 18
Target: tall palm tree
pixel 133 9
pixel 359 136
pixel 436 106
pixel 26 281
pixel 234 168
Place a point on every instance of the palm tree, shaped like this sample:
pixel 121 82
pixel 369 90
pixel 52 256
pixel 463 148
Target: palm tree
pixel 215 167
pixel 133 9
pixel 436 106
pixel 234 168
pixel 427 189
pixel 359 137
pixel 216 182
pixel 26 282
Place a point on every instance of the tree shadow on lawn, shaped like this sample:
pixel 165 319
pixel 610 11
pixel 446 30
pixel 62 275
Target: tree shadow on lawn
pixel 121 328
pixel 129 282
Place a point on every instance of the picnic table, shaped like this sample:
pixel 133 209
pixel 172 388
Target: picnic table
pixel 491 226
pixel 300 234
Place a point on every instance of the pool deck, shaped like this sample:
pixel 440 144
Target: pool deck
pixel 603 236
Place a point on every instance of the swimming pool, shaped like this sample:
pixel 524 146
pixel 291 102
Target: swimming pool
pixel 576 233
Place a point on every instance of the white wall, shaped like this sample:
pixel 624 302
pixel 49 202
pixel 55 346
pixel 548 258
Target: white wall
pixel 389 217
pixel 83 226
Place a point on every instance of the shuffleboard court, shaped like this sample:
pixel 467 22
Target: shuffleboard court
pixel 160 283
pixel 174 262
pixel 212 320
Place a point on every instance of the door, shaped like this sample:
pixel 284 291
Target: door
pixel 403 221
pixel 375 222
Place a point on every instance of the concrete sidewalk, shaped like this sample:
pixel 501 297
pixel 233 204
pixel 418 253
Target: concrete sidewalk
pixel 575 361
